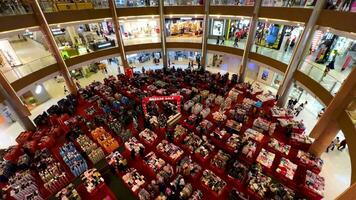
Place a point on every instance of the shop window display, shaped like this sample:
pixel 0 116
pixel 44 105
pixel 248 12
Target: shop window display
pixel 136 3
pixel 184 29
pixel 233 2
pixel 228 31
pixel 137 31
pixel 282 39
pixel 183 2
pixel 85 38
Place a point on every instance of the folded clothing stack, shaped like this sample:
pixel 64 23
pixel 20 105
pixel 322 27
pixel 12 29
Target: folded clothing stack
pixel 50 171
pixel 23 186
pixel 94 152
pixel 73 159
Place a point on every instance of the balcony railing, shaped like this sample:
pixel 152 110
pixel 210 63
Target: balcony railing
pixel 21 71
pixel 329 82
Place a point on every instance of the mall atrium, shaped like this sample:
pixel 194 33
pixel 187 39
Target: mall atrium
pixel 177 99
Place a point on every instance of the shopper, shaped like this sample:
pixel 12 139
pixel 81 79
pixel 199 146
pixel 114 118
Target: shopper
pixel 222 41
pixel 331 146
pixel 142 152
pixel 290 103
pixel 133 154
pixel 286 45
pixel 65 90
pixel 236 41
pixel 78 84
pixel 328 68
pixel 292 44
pixel 299 108
pixel 342 145
pixel 321 113
pixel 336 142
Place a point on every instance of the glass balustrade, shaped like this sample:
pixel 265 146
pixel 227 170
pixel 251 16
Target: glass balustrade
pixel 23 70
pixel 316 72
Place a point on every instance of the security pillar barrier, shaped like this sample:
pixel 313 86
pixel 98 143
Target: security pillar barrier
pixel 46 30
pixel 119 40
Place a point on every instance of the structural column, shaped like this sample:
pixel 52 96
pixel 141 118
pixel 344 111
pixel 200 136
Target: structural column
pixel 120 43
pixel 163 33
pixel 205 33
pixel 297 58
pixel 20 110
pixel 324 131
pixel 250 38
pixel 46 30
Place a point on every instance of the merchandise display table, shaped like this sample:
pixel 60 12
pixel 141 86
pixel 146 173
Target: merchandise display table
pixel 253 134
pixel 309 161
pixel 148 136
pixel 279 146
pixel 266 158
pixel 222 143
pixel 170 151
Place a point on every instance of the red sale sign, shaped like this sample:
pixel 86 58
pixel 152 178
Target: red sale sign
pixel 145 101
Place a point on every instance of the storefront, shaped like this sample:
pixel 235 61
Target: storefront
pixel 277 36
pixel 79 39
pixel 144 58
pixel 35 96
pixel 182 2
pixel 140 28
pixel 184 27
pixel 228 28
pixel 269 77
pixel 136 3
pixel 327 46
pixel 184 56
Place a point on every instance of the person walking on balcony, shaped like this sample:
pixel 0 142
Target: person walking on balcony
pixel 286 45
pixel 342 145
pixel 328 67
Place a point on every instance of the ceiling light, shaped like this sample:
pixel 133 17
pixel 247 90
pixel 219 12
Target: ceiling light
pixel 58 25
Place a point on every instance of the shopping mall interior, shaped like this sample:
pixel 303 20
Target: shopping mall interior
pixel 177 99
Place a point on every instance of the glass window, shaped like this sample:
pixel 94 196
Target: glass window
pixel 139 31
pixel 184 29
pixel 276 41
pixel 330 59
pixel 230 32
pixel 84 38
